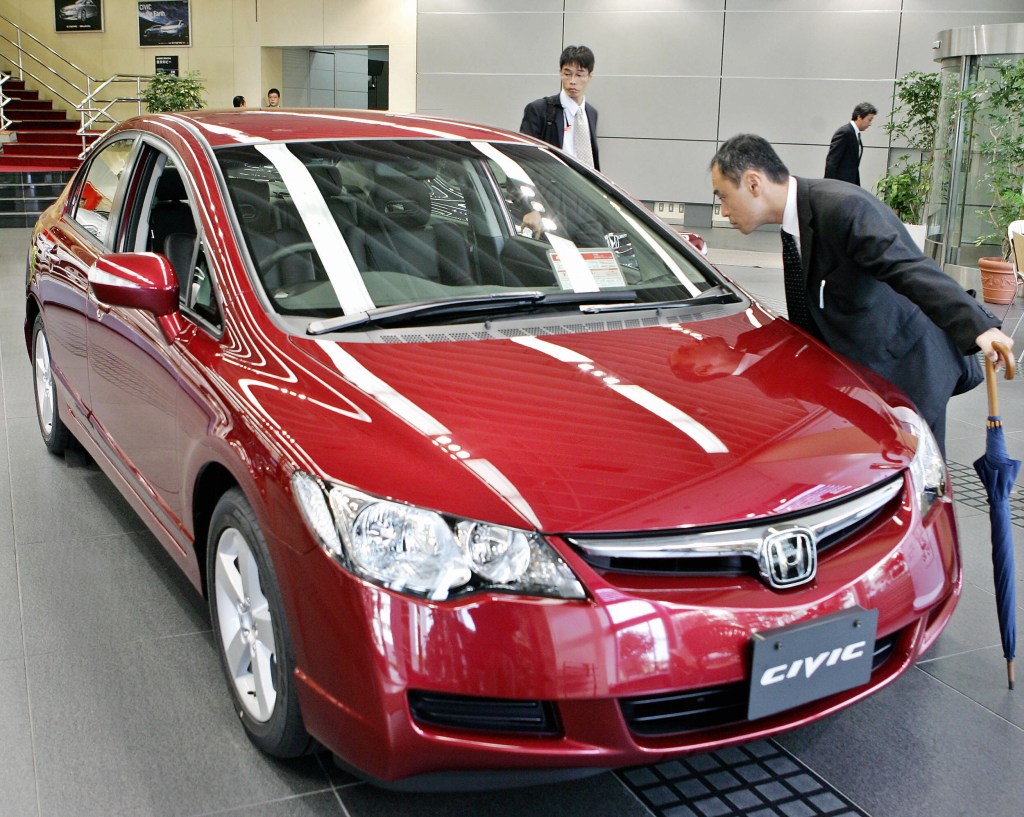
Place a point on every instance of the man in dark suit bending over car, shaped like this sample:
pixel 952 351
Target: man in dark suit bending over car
pixel 856 280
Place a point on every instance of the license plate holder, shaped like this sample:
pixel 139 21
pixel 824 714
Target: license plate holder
pixel 813 659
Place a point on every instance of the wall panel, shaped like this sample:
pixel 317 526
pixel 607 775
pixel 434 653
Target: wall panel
pixel 674 77
pixel 489 43
pixel 497 101
pixel 766 106
pixel 826 45
pixel 657 107
pixel 640 6
pixel 650 44
pixel 664 169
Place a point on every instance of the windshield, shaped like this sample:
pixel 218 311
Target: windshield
pixel 340 229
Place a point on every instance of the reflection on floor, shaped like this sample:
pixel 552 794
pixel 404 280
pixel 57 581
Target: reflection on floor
pixel 112 703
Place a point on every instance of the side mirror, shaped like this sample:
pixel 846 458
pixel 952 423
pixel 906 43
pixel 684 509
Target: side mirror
pixel 142 280
pixel 696 241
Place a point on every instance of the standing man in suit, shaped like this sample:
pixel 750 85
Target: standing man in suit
pixel 856 280
pixel 843 160
pixel 565 120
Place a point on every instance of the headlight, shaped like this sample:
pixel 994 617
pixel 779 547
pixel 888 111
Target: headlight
pixel 423 553
pixel 928 468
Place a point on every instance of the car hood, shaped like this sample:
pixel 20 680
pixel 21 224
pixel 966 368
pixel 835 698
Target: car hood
pixel 649 428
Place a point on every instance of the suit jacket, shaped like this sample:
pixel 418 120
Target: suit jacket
pixel 544 119
pixel 875 298
pixel 843 160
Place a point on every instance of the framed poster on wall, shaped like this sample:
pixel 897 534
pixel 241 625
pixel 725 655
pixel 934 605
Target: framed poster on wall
pixel 78 15
pixel 164 22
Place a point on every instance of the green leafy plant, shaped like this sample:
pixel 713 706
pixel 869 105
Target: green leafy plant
pixel 912 124
pixel 995 105
pixel 170 92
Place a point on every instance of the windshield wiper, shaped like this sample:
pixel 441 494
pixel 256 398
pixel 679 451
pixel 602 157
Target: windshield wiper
pixel 467 305
pixel 715 295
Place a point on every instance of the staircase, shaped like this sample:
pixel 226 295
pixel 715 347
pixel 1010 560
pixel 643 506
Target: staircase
pixel 44 138
pixel 38 158
pixel 25 194
pixel 41 147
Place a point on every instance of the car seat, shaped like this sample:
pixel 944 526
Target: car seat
pixel 171 212
pixel 395 232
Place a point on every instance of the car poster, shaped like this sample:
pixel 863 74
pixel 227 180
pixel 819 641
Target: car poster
pixel 78 15
pixel 164 23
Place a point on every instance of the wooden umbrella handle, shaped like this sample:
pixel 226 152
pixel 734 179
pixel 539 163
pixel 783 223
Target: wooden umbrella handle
pixel 1010 362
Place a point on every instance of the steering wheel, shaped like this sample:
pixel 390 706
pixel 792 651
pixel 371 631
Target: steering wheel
pixel 278 255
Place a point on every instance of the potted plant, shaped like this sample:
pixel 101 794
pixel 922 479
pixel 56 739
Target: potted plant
pixel 912 125
pixel 170 92
pixel 994 104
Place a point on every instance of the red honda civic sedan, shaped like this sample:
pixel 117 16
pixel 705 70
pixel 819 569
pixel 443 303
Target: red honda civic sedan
pixel 485 472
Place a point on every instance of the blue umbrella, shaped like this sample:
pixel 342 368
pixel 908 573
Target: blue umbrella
pixel 997 473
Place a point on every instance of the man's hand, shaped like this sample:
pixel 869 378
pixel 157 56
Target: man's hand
pixel 990 336
pixel 533 222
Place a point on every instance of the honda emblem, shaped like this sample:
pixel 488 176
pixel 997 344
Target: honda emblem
pixel 788 558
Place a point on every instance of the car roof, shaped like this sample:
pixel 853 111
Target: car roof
pixel 255 125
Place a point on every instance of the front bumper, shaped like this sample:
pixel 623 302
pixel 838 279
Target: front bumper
pixel 369 658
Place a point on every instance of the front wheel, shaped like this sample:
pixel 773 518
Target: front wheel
pixel 250 630
pixel 56 435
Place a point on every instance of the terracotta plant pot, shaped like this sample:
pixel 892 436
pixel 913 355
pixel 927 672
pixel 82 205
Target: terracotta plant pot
pixel 998 281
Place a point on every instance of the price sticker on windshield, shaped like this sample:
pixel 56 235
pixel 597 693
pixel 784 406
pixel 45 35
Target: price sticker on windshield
pixel 601 263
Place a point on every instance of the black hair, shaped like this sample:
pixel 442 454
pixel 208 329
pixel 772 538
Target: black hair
pixel 747 151
pixel 862 110
pixel 273 91
pixel 238 101
pixel 578 54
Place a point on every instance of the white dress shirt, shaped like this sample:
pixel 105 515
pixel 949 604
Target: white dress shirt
pixel 569 109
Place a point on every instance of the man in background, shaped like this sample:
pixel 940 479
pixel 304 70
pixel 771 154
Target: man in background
pixel 238 101
pixel 565 120
pixel 273 98
pixel 843 160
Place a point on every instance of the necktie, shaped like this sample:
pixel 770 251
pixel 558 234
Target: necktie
pixel 796 293
pixel 581 138
pixel 860 147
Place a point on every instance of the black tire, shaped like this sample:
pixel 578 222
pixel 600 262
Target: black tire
pixel 259 669
pixel 56 435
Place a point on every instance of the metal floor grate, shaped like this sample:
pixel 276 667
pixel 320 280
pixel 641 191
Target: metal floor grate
pixel 967 488
pixel 758 779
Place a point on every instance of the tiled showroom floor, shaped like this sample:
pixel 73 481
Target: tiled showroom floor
pixel 112 701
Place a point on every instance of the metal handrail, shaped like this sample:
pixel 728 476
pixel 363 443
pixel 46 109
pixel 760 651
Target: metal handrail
pixel 24 72
pixel 94 110
pixel 5 123
pixel 39 42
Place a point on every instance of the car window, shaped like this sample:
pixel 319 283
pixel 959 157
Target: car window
pixel 198 290
pixel 161 218
pixel 95 197
pixel 341 228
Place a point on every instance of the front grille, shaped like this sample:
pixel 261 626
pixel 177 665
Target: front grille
pixel 732 551
pixel 484 714
pixel 706 708
pixel 710 707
